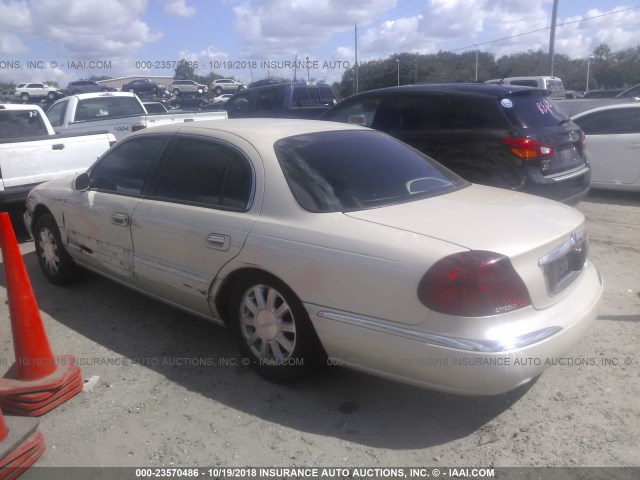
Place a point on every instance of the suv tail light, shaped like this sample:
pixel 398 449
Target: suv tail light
pixel 528 148
pixel 135 128
pixel 473 284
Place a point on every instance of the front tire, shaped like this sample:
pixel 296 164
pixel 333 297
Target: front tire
pixel 218 91
pixel 272 329
pixel 25 97
pixel 55 262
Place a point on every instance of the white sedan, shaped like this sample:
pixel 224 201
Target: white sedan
pixel 318 241
pixel 613 145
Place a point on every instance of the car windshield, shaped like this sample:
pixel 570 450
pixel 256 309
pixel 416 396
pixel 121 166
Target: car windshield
pixel 356 170
pixel 532 111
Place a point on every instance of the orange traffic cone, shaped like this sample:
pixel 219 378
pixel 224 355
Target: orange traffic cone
pixel 20 445
pixel 38 381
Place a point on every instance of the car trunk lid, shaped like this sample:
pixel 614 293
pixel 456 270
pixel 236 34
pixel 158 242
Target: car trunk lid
pixel 543 239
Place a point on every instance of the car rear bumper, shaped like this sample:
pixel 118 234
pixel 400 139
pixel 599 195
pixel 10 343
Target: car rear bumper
pixel 566 189
pixel 458 365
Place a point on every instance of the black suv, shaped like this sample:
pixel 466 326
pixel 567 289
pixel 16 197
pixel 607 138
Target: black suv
pixel 504 136
pixel 141 86
pixel 86 86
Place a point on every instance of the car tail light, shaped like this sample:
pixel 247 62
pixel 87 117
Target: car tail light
pixel 473 284
pixel 581 143
pixel 135 128
pixel 528 148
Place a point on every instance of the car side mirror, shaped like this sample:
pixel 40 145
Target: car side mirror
pixel 81 182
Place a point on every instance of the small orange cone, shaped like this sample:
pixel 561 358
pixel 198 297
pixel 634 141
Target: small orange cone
pixel 20 445
pixel 36 369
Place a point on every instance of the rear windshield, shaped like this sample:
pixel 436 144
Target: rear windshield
pixel 100 108
pixel 21 123
pixel 356 170
pixel 532 111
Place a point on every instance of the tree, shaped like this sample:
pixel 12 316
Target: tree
pixel 184 71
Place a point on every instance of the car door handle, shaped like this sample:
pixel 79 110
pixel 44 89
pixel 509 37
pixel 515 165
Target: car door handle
pixel 121 219
pixel 634 145
pixel 217 241
pixel 58 146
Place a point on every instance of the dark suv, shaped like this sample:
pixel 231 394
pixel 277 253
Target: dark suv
pixel 86 86
pixel 504 136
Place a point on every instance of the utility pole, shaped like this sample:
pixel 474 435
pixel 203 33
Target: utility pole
pixel 295 69
pixel 476 62
pixel 552 36
pixel 355 68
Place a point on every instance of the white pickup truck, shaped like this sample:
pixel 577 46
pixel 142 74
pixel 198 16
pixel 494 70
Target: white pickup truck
pixel 119 113
pixel 32 153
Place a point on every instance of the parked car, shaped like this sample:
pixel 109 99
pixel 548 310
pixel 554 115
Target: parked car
pixel 226 85
pixel 222 98
pixel 603 93
pixel 314 238
pixel 505 136
pixel 630 92
pixel 189 102
pixel 187 86
pixel 282 100
pixel 37 91
pixel 554 84
pixel 119 113
pixel 144 86
pixel 7 96
pixel 86 86
pixel 613 145
pixel 31 152
pixel 154 107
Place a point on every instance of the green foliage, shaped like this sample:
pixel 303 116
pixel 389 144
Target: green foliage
pixel 608 69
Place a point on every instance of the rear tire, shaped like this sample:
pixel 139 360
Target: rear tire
pixel 55 262
pixel 272 329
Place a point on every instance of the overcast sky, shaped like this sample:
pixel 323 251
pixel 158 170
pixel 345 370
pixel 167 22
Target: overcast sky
pixel 56 40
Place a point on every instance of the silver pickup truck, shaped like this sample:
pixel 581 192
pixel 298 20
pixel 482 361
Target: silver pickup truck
pixel 119 113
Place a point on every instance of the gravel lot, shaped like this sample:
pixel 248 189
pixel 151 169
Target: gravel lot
pixel 165 410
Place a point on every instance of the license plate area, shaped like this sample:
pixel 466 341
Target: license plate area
pixel 564 263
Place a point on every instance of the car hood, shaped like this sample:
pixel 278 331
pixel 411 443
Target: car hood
pixel 482 218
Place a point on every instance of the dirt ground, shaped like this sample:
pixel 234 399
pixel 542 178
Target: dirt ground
pixel 172 391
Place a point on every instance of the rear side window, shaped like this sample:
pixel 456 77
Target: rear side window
pixel 412 112
pixel 21 123
pixel 125 168
pixel 474 112
pixel 206 173
pixel 358 169
pixel 531 111
pixel 615 121
pixel 357 112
